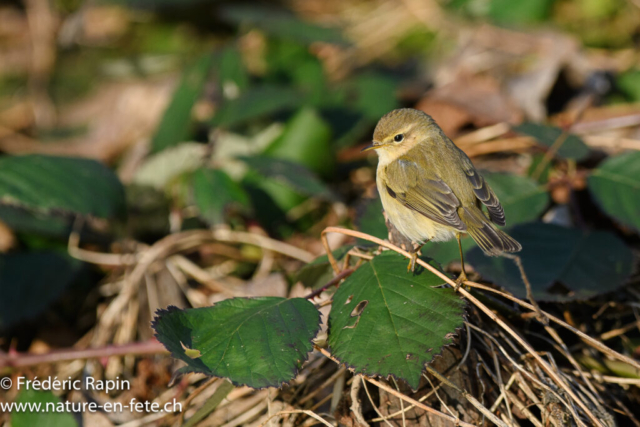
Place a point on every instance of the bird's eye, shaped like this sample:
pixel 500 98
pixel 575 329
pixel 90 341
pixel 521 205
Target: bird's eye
pixel 398 138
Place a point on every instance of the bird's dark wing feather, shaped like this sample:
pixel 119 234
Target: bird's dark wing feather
pixel 428 195
pixel 483 192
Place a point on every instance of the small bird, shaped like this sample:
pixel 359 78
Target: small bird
pixel 430 189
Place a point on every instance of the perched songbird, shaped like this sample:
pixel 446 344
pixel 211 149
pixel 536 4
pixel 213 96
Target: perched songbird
pixel 430 189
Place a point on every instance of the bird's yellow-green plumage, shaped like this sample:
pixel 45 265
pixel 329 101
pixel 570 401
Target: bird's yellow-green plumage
pixel 429 187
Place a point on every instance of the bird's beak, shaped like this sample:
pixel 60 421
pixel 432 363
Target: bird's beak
pixel 372 146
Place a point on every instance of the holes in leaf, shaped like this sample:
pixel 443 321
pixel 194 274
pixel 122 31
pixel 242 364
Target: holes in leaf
pixel 356 312
pixel 348 301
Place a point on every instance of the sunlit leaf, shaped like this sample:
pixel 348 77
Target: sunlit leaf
pixel 561 263
pixel 387 321
pixel 305 140
pixel 259 342
pixel 615 184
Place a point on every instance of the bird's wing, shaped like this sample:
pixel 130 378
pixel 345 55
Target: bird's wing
pixel 483 192
pixel 428 195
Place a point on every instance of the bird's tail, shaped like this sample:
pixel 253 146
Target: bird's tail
pixel 492 241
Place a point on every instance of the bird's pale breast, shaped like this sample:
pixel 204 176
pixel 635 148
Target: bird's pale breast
pixel 412 224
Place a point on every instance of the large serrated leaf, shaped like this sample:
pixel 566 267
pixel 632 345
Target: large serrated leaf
pixel 259 342
pixel 214 192
pixel 615 184
pixel 387 321
pixel 522 198
pixel 572 148
pixel 561 263
pixel 60 186
pixel 46 416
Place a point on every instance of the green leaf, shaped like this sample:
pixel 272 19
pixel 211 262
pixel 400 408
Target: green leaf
pixel 572 148
pixel 29 417
pixel 291 174
pixel 370 218
pixel 319 271
pixel 282 24
pixel 522 199
pixel 629 83
pixel 214 192
pixel 519 12
pixel 160 169
pixel 256 102
pixel 259 342
pixel 31 282
pixel 375 95
pixel 232 75
pixel 561 263
pixel 387 321
pixel 615 184
pixel 305 140
pixel 176 121
pixel 49 186
pixel 447 252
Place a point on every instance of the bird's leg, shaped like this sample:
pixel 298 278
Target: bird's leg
pixel 462 277
pixel 414 257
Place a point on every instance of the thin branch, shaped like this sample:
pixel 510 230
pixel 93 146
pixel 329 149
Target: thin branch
pixel 15 360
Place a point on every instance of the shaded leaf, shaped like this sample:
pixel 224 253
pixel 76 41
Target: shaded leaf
pixel 232 75
pixel 176 121
pixel 572 148
pixel 306 141
pixel 522 199
pixel 256 102
pixel 319 271
pixel 376 95
pixel 214 192
pixel 282 24
pixel 447 252
pixel 387 321
pixel 46 186
pixel 370 218
pixel 57 417
pixel 30 282
pixel 259 342
pixel 291 174
pixel 629 83
pixel 615 184
pixel 561 263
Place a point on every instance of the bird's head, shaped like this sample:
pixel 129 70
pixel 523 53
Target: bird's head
pixel 399 131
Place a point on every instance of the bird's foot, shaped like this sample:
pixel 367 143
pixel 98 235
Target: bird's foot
pixel 412 262
pixel 460 280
